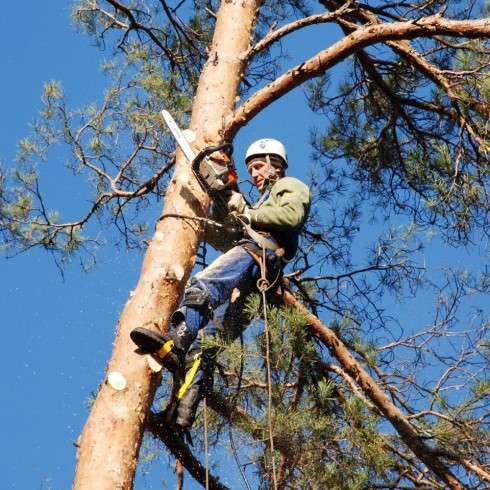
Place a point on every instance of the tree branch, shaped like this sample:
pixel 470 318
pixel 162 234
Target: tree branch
pixel 274 36
pixel 134 24
pixel 182 452
pixel 372 391
pixel 363 37
pixel 404 49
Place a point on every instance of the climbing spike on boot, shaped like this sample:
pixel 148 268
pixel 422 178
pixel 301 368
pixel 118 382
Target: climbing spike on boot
pixel 197 382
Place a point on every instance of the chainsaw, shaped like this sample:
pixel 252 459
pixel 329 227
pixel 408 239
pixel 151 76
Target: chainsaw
pixel 212 166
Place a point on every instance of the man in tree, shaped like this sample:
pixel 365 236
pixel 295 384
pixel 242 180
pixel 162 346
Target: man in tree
pixel 214 299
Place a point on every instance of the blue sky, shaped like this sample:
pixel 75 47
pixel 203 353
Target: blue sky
pixel 58 333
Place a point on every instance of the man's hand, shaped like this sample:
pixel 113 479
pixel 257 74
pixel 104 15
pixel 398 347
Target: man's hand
pixel 236 202
pixel 243 219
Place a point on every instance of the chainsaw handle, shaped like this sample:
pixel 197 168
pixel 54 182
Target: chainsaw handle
pixel 210 174
pixel 205 152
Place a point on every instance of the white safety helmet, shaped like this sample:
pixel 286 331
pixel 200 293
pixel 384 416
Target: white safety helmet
pixel 267 146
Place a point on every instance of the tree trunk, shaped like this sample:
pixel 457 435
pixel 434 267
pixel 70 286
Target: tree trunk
pixel 111 438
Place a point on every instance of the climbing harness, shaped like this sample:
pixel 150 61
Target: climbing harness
pixel 260 239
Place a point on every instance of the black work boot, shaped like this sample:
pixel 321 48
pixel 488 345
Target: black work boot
pixel 197 383
pixel 169 348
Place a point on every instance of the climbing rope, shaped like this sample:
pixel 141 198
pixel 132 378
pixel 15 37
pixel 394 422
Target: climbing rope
pixel 205 221
pixel 263 286
pixel 206 454
pixel 233 404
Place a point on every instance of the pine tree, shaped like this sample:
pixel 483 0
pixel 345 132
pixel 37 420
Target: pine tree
pixel 406 132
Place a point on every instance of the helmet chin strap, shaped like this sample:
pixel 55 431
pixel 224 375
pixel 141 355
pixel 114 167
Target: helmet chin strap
pixel 271 170
pixel 269 166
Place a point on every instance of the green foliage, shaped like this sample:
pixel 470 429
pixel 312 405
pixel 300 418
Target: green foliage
pixel 431 167
pixel 93 135
pixel 118 146
pixel 26 149
pixel 482 388
pixel 328 441
pixel 394 143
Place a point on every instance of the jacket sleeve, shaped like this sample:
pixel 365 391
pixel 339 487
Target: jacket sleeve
pixel 286 209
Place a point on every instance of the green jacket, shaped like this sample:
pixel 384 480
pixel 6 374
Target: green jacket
pixel 285 209
pixel 281 212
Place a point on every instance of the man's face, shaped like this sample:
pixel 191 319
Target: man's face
pixel 261 171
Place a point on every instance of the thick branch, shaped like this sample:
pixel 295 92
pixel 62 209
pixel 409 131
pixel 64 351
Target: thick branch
pixel 371 390
pixel 358 39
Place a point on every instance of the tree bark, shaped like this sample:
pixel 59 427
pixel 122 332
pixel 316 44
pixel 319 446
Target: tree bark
pixel 111 438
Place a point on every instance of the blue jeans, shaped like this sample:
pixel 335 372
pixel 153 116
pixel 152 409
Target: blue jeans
pixel 215 298
pixel 214 304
